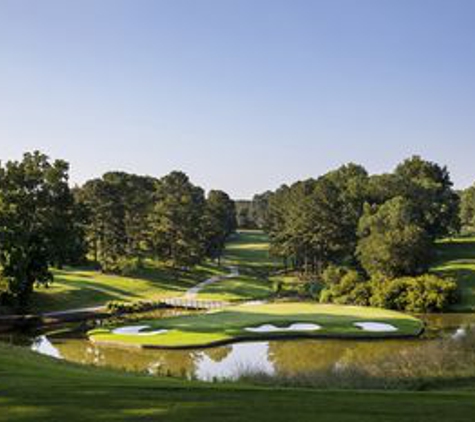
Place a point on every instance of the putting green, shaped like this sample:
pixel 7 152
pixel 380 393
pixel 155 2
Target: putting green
pixel 252 322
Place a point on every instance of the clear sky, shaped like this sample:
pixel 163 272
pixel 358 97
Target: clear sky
pixel 243 95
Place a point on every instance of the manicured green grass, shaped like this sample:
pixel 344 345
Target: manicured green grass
pixel 230 325
pixel 35 388
pixel 244 287
pixel 249 251
pixel 81 287
pixel 77 288
pixel 456 258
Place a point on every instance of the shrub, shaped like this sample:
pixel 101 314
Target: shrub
pixel 345 287
pixel 118 307
pixel 426 293
pixel 423 294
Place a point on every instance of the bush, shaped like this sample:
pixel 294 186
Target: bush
pixel 118 307
pixel 426 293
pixel 423 294
pixel 123 266
pixel 345 287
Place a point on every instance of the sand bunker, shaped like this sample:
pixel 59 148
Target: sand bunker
pixel 269 328
pixel 376 327
pixel 137 330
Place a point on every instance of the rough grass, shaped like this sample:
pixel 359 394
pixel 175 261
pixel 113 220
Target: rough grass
pixel 35 388
pixel 229 325
pixel 456 258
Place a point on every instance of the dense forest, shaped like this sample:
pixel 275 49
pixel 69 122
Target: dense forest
pixel 367 239
pixel 115 222
pixel 355 238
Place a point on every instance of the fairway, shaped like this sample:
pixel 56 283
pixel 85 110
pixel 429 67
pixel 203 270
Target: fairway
pixel 82 287
pixel 246 322
pixel 75 288
pixel 247 250
pixel 456 259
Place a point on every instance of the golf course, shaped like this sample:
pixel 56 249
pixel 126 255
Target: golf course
pixel 39 388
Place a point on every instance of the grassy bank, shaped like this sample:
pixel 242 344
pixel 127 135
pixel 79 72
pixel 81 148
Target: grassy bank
pixel 39 389
pixel 82 287
pixel 78 288
pixel 231 324
pixel 456 258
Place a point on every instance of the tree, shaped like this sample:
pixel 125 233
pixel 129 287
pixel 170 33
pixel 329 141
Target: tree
pixel 259 209
pixel 391 242
pixel 429 189
pixel 36 228
pixel 245 219
pixel 177 221
pixel 467 210
pixel 116 208
pixel 105 231
pixel 351 184
pixel 220 222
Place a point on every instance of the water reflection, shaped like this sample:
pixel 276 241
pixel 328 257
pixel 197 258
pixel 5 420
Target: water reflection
pixel 44 346
pixel 281 357
pixel 240 357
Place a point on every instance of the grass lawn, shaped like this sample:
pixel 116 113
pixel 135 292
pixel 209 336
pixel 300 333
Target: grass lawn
pixel 81 287
pixel 77 288
pixel 456 258
pixel 36 388
pixel 230 324
pixel 249 251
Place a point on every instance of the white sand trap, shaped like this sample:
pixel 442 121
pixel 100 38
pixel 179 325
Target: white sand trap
pixel 376 327
pixel 269 328
pixel 137 330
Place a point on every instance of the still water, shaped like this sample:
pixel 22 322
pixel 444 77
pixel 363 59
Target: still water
pixel 270 357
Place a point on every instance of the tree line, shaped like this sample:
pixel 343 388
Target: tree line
pixel 348 228
pixel 116 221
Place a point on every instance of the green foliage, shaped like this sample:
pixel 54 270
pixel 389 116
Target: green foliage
pixel 427 293
pixel 120 307
pixel 345 286
pixel 116 208
pixel 387 222
pixel 423 294
pixel 253 214
pixel 220 222
pixel 467 210
pixel 37 227
pixel 177 221
pixel 391 243
pixel 313 223
pixel 427 186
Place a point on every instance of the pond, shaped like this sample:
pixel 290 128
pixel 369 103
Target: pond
pixel 269 357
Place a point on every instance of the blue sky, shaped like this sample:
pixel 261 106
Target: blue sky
pixel 243 95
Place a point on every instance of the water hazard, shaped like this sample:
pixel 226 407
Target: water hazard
pixel 269 357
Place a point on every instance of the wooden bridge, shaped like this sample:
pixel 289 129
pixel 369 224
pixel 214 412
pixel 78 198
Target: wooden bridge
pixel 187 303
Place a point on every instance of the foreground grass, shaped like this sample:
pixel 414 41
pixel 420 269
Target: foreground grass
pixel 35 388
pixel 456 258
pixel 230 325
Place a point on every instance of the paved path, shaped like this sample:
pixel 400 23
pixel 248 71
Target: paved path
pixel 193 292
